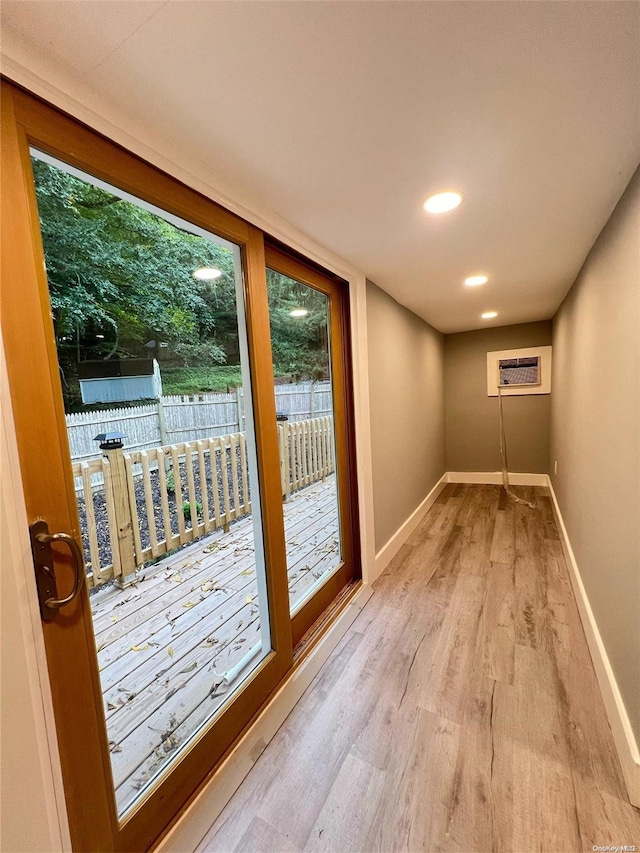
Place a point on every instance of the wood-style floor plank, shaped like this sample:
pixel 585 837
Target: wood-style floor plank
pixel 460 712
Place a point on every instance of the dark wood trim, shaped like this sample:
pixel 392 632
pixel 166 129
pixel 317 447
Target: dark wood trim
pixel 264 412
pixel 36 405
pixel 272 243
pixel 62 136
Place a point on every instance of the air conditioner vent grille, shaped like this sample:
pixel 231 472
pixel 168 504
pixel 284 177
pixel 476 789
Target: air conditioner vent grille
pixel 519 371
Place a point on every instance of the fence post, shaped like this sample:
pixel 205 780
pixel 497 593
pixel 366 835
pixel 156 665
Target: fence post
pixel 325 449
pixel 162 423
pixel 287 458
pixel 164 440
pixel 312 405
pixel 281 448
pixel 122 511
pixel 239 403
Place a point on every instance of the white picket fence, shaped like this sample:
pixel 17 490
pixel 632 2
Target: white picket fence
pixel 178 419
pixel 163 497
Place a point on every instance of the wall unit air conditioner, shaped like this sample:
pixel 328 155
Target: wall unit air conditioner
pixel 521 371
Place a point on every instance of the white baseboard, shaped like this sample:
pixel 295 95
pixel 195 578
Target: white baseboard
pixel 393 545
pixel 624 739
pixel 495 478
pixel 196 820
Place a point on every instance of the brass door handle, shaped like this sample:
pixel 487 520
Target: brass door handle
pixel 41 541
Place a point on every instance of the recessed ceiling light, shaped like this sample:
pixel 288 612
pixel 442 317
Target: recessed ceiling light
pixel 475 280
pixel 489 315
pixel 442 202
pixel 206 273
pixel 298 312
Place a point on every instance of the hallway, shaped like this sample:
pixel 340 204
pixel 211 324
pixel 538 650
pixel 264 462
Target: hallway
pixel 424 217
pixel 460 712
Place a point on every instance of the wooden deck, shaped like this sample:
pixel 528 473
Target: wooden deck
pixel 166 644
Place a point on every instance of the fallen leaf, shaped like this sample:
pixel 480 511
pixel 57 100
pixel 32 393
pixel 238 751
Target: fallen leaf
pixel 142 780
pixel 111 706
pixel 188 604
pixel 170 652
pixel 246 573
pixel 249 599
pixel 191 667
pixel 170 743
pixel 142 648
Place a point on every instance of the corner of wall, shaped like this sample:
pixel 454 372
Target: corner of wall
pixel 386 554
pixel 623 736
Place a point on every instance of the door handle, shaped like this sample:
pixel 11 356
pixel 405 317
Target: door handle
pixel 41 541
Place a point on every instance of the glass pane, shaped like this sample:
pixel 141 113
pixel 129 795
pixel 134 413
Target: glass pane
pixel 149 323
pixel 304 401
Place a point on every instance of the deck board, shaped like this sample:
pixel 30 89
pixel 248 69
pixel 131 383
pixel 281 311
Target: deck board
pixel 166 643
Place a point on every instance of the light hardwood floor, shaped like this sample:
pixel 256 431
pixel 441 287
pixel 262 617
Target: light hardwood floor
pixel 459 713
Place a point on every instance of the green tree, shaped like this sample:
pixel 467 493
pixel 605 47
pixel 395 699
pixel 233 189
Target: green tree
pixel 121 283
pixel 120 276
pixel 299 344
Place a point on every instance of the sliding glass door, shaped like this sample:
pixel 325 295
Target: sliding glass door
pixel 156 519
pixel 182 409
pixel 169 506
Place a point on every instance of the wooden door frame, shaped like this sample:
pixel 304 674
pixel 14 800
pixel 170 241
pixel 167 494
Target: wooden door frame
pixel 279 260
pixel 47 479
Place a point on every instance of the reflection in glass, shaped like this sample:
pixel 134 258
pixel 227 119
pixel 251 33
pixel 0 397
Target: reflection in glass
pixel 300 340
pixel 150 333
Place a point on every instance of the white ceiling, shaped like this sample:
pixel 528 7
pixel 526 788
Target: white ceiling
pixel 342 117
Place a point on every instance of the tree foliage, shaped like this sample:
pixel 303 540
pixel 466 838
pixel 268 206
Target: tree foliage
pixel 122 286
pixel 299 344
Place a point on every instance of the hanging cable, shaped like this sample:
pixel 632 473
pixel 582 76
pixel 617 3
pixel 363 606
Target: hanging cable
pixel 503 455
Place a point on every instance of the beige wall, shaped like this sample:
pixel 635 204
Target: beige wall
pixel 407 410
pixel 595 436
pixel 472 437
